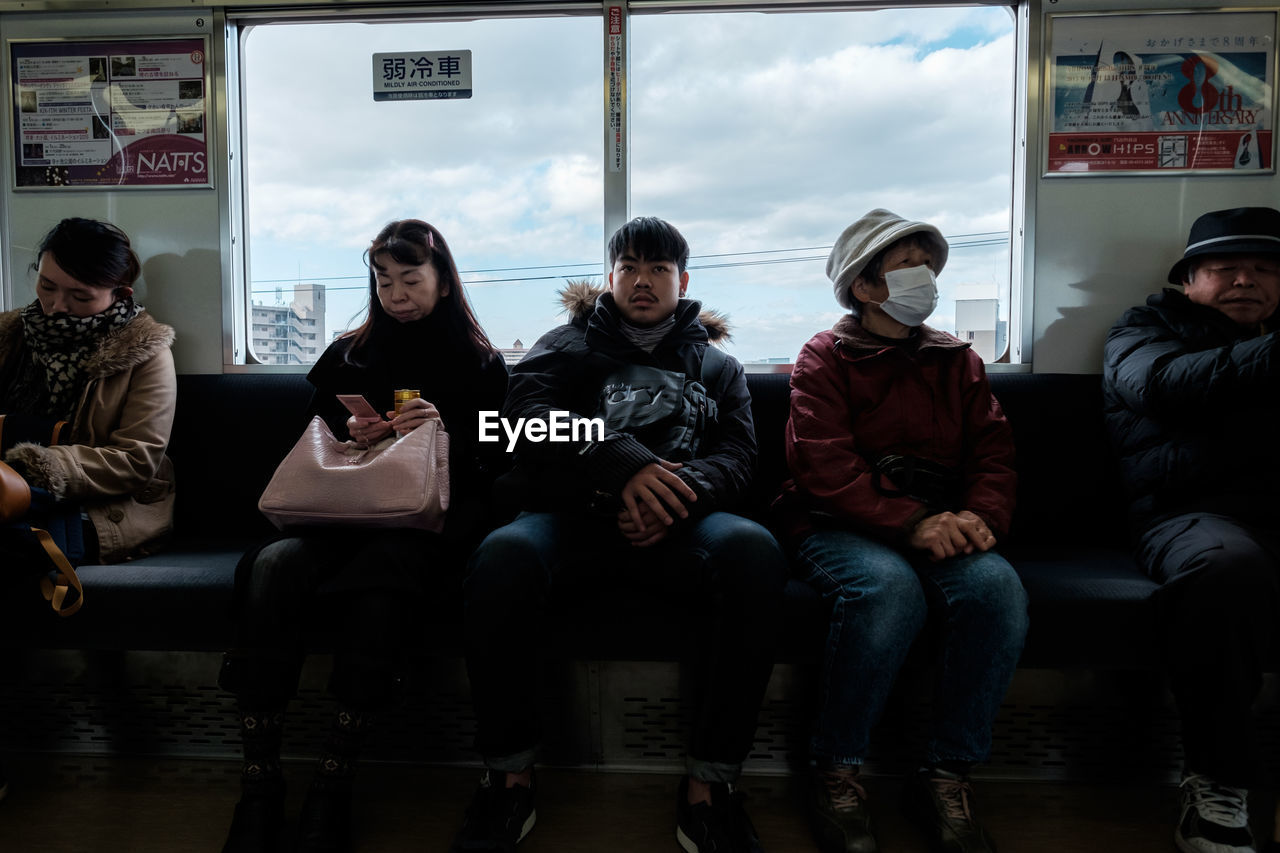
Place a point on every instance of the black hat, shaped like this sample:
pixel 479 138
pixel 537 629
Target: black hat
pixel 1239 231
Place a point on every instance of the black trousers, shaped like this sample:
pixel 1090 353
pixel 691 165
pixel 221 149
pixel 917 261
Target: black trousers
pixel 348 589
pixel 722 577
pixel 1220 606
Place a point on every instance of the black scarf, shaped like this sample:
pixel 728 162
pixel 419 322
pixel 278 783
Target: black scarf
pixel 61 344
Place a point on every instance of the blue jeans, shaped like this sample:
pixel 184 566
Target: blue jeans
pixel 724 573
pixel 880 602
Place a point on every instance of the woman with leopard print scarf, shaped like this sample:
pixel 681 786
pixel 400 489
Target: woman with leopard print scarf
pixel 83 351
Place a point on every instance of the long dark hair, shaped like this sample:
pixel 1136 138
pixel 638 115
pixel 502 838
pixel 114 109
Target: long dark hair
pixel 92 252
pixel 414 242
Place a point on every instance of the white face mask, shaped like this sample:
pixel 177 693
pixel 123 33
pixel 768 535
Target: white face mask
pixel 913 294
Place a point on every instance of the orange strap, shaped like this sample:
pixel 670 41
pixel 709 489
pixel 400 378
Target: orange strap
pixel 53 439
pixel 65 579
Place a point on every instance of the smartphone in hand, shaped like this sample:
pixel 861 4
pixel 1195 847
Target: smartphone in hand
pixel 359 406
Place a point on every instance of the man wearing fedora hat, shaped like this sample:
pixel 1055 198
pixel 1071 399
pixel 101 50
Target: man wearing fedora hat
pixel 1188 381
pixel 903 481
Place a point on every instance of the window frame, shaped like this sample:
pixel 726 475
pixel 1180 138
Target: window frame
pixel 238 21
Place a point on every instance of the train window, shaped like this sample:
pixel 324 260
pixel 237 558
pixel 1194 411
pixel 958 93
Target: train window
pixel 764 136
pixel 761 136
pixel 511 176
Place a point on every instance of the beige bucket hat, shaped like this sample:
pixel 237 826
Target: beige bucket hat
pixel 863 239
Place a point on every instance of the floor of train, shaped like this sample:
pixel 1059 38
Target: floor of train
pixel 96 804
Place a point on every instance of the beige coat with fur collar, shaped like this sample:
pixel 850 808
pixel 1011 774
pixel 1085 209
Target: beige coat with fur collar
pixel 116 465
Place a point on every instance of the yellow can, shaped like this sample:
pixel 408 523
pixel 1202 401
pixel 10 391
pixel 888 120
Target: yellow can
pixel 404 395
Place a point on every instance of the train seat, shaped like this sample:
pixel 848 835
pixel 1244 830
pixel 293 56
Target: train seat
pixel 1089 603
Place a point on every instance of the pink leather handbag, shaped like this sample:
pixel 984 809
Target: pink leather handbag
pixel 398 482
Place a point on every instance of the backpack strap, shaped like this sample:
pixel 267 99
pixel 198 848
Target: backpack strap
pixel 713 361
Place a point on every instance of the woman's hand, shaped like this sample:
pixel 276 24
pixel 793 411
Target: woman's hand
pixel 413 414
pixel 950 534
pixel 367 430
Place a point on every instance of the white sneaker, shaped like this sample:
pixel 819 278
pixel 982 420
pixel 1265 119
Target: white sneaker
pixel 1213 818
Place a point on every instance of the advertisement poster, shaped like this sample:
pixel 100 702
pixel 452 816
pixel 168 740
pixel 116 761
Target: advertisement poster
pixel 1161 93
pixel 110 113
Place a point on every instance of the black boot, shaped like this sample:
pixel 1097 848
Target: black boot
pixel 259 816
pixel 256 824
pixel 325 823
pixel 324 826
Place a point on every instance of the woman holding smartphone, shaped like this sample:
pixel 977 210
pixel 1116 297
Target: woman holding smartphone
pixel 348 586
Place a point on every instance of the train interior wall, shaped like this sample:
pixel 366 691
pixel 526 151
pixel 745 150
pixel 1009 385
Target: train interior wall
pixel 1093 247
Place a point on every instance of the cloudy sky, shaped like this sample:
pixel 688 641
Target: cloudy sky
pixel 760 136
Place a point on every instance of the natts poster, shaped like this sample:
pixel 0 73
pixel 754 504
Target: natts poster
pixel 110 113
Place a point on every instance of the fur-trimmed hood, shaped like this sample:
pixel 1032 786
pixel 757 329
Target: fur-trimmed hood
pixel 130 345
pixel 579 299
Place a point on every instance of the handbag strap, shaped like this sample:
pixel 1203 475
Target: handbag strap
pixel 65 579
pixel 53 438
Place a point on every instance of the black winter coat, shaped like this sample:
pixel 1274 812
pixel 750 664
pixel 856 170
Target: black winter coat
pixel 565 371
pixel 415 356
pixel 1191 401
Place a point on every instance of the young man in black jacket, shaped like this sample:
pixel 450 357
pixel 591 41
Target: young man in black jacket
pixel 1191 382
pixel 638 502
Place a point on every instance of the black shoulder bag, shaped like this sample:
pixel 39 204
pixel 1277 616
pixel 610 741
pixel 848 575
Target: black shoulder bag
pixel 929 482
pixel 671 414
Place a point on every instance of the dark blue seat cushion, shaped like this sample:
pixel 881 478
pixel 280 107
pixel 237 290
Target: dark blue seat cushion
pixel 179 599
pixel 1089 606
pixel 1089 603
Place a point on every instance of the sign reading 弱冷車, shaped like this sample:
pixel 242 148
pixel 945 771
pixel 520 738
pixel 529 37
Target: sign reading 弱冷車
pixel 422 75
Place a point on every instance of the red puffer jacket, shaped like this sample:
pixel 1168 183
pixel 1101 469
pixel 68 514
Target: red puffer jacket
pixel 855 398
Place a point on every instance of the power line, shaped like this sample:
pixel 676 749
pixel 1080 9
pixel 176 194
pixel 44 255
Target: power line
pixel 959 241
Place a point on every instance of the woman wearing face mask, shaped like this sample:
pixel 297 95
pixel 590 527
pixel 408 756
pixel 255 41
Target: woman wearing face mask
pixel 83 351
pixel 903 484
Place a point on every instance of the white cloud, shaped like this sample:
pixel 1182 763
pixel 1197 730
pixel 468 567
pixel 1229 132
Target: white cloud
pixel 750 132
